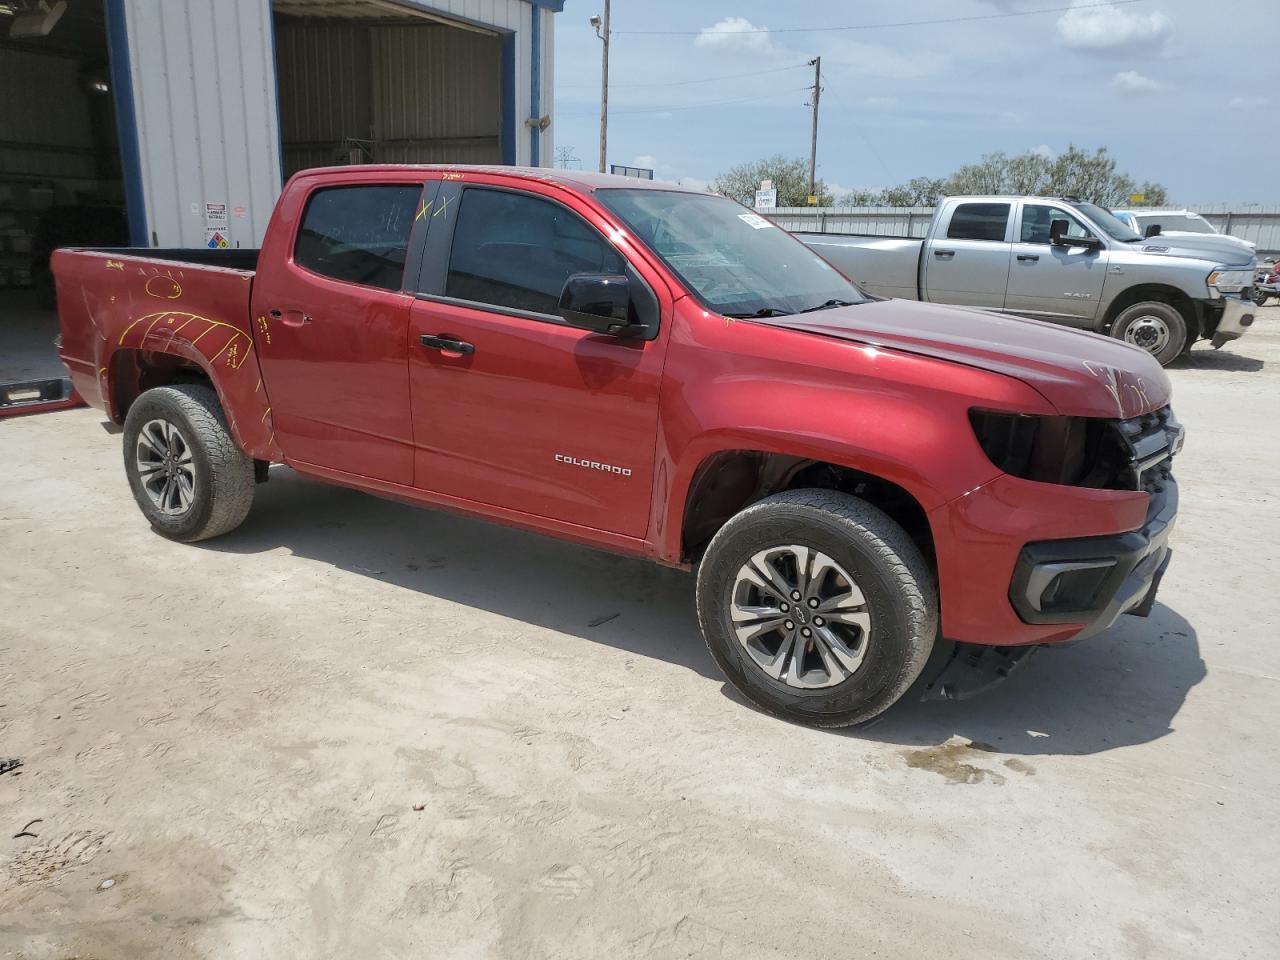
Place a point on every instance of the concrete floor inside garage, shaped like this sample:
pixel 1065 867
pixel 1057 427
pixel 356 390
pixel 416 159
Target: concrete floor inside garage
pixel 353 728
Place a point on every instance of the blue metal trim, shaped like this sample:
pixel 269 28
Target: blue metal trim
pixel 555 6
pixel 509 99
pixel 275 80
pixel 126 122
pixel 535 88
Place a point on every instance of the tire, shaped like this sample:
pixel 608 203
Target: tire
pixel 1259 298
pixel 202 488
pixel 885 640
pixel 1155 326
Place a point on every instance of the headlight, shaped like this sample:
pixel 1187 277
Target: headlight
pixel 1229 280
pixel 1048 449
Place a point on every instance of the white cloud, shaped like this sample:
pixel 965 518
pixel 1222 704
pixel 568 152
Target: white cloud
pixel 1246 103
pixel 1131 81
pixel 646 160
pixel 1010 117
pixel 1044 150
pixel 1100 29
pixel 880 102
pixel 663 115
pixel 737 34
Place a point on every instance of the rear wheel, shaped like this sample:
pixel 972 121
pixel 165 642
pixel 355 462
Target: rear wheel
pixel 1259 298
pixel 817 606
pixel 187 475
pixel 1155 326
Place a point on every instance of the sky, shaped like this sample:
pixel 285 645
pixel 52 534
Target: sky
pixel 1174 89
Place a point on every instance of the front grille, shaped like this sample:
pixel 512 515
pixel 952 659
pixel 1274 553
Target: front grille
pixel 1148 445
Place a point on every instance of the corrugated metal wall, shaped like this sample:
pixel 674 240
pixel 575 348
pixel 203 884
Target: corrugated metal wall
pixel 46 131
pixel 205 97
pixel 416 93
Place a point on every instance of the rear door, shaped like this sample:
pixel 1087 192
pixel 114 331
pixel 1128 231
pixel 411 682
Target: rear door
pixel 331 316
pixel 966 262
pixel 535 416
pixel 1063 284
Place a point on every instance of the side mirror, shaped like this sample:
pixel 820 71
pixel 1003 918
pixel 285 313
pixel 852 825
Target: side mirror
pixel 1059 238
pixel 1152 231
pixel 600 302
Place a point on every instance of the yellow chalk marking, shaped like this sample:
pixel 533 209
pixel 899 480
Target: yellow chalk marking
pixel 115 265
pixel 444 205
pixel 265 415
pixel 426 205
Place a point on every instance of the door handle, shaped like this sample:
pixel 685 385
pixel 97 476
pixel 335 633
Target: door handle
pixel 1029 257
pixel 447 346
pixel 944 254
pixel 296 318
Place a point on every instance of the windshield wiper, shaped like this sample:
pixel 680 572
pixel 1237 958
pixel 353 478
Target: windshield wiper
pixel 762 312
pixel 828 305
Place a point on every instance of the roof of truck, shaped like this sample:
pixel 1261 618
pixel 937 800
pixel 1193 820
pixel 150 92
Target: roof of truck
pixel 583 180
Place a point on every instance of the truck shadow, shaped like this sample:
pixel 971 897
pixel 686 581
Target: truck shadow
pixel 1118 689
pixel 1219 360
pixel 626 603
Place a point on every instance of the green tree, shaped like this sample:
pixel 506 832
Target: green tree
pixel 790 178
pixel 1072 173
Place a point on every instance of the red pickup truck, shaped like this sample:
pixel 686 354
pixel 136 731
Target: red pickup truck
pixel 864 486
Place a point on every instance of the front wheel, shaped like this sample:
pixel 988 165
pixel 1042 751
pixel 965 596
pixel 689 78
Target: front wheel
pixel 1156 327
pixel 188 476
pixel 817 607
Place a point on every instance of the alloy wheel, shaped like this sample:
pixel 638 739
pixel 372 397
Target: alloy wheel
pixel 166 467
pixel 800 616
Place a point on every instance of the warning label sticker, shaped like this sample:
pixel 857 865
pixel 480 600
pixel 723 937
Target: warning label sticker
pixel 216 240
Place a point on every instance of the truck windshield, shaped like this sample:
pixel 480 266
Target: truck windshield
pixel 735 261
pixel 1108 223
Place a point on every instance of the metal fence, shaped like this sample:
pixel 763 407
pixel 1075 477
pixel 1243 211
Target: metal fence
pixel 1258 224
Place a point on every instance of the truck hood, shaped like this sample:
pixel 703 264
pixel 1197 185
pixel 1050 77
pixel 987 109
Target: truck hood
pixel 1202 246
pixel 1081 374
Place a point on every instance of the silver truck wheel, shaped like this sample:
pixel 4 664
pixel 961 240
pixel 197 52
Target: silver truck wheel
pixel 187 475
pixel 1156 327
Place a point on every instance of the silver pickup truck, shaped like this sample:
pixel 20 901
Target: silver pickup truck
pixel 1061 260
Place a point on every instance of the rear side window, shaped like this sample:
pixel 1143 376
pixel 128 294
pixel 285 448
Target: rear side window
pixel 979 221
pixel 516 251
pixel 358 234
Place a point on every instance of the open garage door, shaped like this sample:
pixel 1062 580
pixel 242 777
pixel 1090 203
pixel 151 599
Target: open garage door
pixel 369 81
pixel 60 169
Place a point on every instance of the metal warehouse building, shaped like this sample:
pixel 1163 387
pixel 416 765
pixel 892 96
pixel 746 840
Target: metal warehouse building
pixel 176 122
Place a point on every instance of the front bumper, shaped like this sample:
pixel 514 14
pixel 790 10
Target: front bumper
pixel 1093 580
pixel 1237 317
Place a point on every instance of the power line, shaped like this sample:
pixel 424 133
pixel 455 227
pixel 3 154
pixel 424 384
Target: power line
pixel 885 26
pixel 680 83
pixel 708 103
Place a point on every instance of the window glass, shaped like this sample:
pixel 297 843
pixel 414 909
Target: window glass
pixel 735 261
pixel 514 250
pixel 358 234
pixel 1037 219
pixel 979 221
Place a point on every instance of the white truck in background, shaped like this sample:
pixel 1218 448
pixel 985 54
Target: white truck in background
pixel 1061 260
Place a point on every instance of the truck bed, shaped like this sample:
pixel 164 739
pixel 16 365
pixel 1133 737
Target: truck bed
pixel 115 305
pixel 884 266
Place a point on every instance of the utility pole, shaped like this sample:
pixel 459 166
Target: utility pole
pixel 816 63
pixel 602 31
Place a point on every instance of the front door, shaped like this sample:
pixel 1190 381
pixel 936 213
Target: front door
pixel 967 260
pixel 331 319
pixel 1063 284
pixel 512 407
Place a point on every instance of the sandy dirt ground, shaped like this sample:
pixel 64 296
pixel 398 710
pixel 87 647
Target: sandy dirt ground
pixel 356 729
